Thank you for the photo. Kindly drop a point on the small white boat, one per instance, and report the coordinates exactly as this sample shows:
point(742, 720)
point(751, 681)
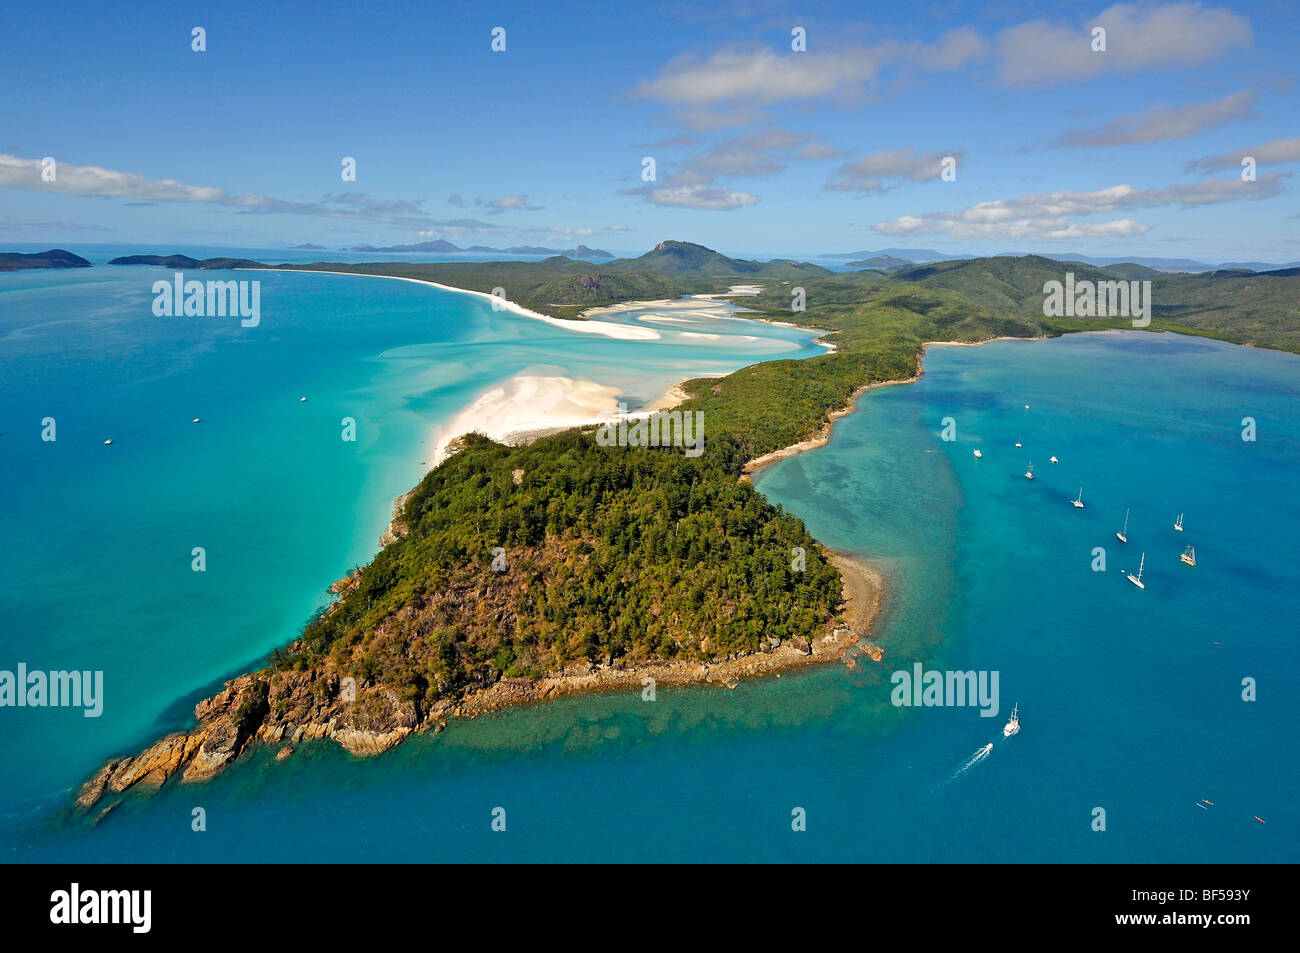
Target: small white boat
point(1137, 580)
point(1018, 444)
point(1077, 502)
point(1029, 474)
point(1178, 523)
point(1122, 534)
point(196, 420)
point(1013, 725)
point(302, 400)
point(108, 441)
point(978, 455)
point(1189, 557)
point(1054, 460)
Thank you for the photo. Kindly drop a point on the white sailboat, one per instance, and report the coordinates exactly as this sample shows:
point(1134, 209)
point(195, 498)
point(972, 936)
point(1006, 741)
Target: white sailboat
point(1137, 580)
point(1029, 474)
point(1018, 444)
point(1013, 725)
point(1178, 523)
point(1189, 556)
point(978, 454)
point(1122, 535)
point(1053, 460)
point(1078, 502)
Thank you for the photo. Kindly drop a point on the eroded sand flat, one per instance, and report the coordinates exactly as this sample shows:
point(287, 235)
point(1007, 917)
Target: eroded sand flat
point(527, 404)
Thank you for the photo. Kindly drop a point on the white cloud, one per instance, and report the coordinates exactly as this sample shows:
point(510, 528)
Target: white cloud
point(1277, 152)
point(1174, 35)
point(1162, 123)
point(705, 197)
point(509, 203)
point(868, 173)
point(758, 76)
point(748, 78)
point(1048, 214)
point(954, 50)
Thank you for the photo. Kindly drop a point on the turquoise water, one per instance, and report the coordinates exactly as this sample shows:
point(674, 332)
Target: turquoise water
point(1127, 703)
point(96, 541)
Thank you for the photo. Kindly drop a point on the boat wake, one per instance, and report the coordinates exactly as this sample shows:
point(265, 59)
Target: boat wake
point(965, 766)
point(973, 760)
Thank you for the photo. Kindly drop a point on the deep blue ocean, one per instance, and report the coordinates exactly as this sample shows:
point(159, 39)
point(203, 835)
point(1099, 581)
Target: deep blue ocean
point(1130, 700)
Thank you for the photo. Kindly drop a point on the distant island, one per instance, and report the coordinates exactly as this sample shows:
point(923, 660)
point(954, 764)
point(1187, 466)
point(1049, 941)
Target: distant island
point(184, 261)
point(308, 247)
point(54, 258)
point(882, 263)
point(447, 248)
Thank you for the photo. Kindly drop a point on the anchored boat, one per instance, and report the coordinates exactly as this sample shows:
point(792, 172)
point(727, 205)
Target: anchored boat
point(1137, 580)
point(1013, 725)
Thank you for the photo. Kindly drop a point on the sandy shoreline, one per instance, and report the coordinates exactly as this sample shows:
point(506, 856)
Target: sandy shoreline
point(200, 753)
point(583, 326)
point(206, 750)
point(824, 435)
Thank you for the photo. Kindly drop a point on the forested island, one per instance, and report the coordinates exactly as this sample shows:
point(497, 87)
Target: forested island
point(623, 564)
point(54, 258)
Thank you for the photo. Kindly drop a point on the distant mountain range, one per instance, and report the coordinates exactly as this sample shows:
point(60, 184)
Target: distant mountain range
point(447, 248)
point(54, 258)
point(882, 263)
point(678, 258)
point(892, 259)
point(907, 254)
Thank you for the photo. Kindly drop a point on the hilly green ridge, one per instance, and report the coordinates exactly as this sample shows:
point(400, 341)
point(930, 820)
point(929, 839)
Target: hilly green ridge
point(184, 261)
point(679, 258)
point(54, 258)
point(557, 286)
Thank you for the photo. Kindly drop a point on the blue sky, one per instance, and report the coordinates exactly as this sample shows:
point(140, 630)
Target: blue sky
point(758, 149)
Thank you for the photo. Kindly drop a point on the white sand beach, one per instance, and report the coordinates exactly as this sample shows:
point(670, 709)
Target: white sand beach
point(622, 331)
point(526, 407)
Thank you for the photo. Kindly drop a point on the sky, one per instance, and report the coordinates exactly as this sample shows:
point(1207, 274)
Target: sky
point(758, 148)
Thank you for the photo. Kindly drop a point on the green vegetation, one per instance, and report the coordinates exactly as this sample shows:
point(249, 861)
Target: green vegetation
point(564, 288)
point(184, 261)
point(612, 553)
point(54, 258)
point(621, 554)
point(1262, 308)
point(678, 258)
point(559, 287)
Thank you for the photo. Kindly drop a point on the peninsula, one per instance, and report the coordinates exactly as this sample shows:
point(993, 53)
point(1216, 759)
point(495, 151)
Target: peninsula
point(516, 574)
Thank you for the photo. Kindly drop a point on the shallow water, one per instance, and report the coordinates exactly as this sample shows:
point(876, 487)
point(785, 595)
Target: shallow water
point(1129, 700)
